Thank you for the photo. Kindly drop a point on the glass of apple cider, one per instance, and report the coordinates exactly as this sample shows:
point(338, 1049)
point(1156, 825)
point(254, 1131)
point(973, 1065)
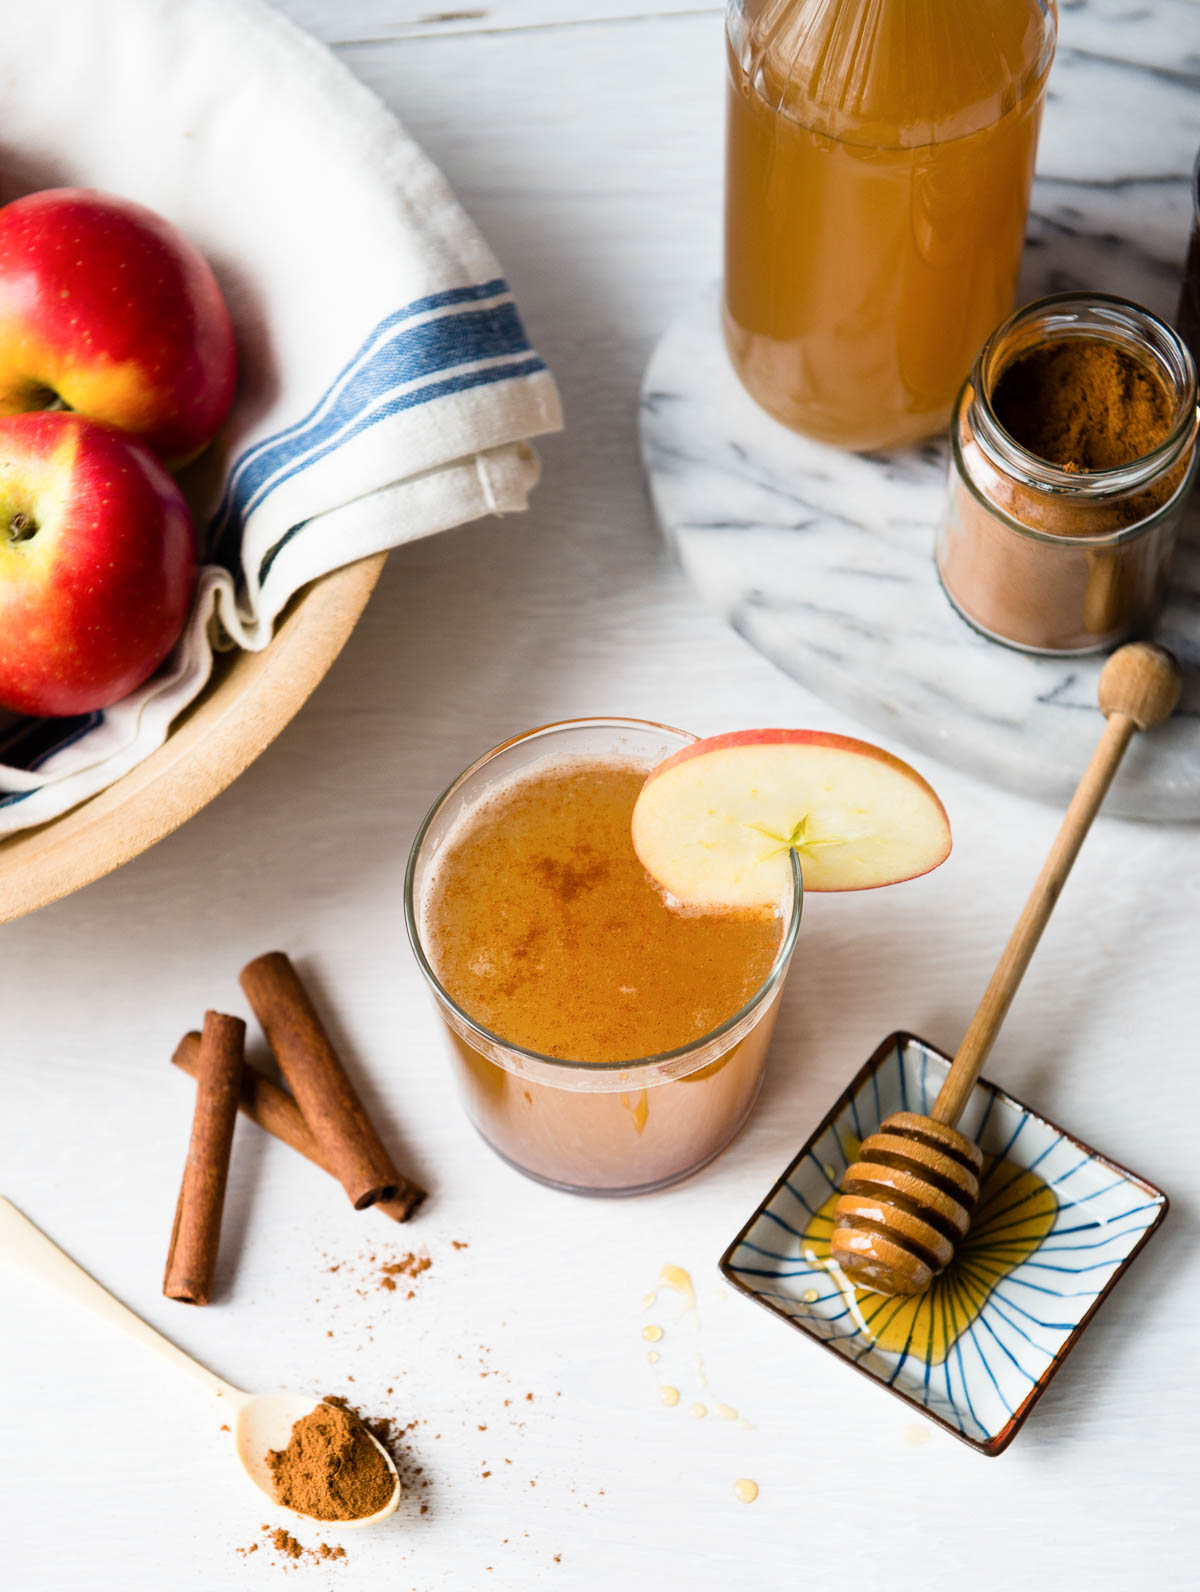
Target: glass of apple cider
point(607, 1040)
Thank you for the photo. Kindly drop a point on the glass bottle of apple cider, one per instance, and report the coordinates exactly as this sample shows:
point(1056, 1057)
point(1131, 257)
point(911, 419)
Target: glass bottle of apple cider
point(880, 157)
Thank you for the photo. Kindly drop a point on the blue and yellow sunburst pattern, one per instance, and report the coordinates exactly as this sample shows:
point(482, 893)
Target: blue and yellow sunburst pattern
point(1055, 1226)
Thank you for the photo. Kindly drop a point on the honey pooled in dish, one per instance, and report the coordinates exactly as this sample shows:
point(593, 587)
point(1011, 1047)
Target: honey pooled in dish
point(1016, 1210)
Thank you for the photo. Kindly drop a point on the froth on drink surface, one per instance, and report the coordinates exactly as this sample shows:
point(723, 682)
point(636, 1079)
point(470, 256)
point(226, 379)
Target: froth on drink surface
point(543, 926)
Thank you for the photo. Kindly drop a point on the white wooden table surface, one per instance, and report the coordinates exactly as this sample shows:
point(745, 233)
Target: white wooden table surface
point(587, 143)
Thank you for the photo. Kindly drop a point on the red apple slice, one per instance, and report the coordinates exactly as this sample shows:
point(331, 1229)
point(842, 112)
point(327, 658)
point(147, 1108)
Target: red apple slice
point(715, 823)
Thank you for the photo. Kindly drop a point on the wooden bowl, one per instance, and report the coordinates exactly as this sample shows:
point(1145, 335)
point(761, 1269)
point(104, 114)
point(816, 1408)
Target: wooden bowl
point(248, 700)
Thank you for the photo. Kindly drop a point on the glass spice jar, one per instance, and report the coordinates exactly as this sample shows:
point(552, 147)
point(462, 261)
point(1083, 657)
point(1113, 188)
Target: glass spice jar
point(1049, 558)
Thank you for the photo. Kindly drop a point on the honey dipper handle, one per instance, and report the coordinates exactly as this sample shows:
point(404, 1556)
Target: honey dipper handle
point(1139, 687)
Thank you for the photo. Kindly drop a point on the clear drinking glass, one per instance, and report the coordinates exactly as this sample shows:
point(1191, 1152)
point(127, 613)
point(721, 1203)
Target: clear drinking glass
point(598, 1127)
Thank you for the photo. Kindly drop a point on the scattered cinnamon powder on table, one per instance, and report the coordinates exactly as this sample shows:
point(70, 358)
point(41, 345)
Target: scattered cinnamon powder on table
point(407, 1266)
point(283, 1542)
point(279, 1538)
point(331, 1469)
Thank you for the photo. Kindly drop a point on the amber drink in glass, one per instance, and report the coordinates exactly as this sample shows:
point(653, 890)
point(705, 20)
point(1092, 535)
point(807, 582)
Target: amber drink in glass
point(607, 1040)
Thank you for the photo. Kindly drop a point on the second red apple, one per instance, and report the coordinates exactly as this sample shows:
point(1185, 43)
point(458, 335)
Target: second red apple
point(97, 564)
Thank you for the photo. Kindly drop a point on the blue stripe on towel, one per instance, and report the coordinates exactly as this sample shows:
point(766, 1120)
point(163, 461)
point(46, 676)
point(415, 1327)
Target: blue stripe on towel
point(406, 400)
point(421, 306)
point(395, 354)
point(409, 356)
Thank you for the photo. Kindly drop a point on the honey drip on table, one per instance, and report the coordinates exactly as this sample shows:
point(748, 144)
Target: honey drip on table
point(675, 1277)
point(1016, 1210)
point(680, 1281)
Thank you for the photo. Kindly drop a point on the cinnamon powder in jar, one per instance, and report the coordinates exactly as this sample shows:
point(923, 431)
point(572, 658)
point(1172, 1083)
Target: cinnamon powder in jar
point(1083, 404)
point(1073, 447)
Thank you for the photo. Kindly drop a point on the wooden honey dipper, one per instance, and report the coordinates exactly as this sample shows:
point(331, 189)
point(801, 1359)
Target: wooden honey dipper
point(907, 1201)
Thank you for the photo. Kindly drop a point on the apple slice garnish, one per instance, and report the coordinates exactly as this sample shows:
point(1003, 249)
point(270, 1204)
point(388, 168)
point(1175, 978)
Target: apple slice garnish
point(714, 824)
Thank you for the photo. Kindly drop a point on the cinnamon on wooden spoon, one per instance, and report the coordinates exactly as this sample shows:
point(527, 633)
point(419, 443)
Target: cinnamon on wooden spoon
point(260, 1421)
point(907, 1201)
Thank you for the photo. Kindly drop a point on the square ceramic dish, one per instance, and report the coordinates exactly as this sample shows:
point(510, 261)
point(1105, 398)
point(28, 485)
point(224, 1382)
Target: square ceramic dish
point(1056, 1226)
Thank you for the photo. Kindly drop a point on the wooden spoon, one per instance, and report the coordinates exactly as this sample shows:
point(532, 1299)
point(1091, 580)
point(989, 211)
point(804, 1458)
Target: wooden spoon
point(260, 1421)
point(907, 1201)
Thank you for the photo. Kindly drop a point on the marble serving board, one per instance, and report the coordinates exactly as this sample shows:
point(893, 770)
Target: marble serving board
point(823, 560)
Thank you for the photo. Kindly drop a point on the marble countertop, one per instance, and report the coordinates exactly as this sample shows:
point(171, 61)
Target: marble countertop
point(823, 560)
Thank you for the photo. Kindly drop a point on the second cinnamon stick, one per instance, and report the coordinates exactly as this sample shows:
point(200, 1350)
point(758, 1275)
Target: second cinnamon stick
point(192, 1254)
point(264, 1102)
point(332, 1110)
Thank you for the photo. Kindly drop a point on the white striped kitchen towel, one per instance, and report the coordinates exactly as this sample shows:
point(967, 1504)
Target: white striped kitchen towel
point(387, 387)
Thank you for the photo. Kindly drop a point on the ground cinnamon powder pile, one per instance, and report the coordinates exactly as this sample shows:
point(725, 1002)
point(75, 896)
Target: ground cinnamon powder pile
point(1083, 404)
point(331, 1469)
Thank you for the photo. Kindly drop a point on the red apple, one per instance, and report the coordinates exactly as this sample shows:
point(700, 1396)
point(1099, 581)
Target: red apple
point(97, 564)
point(715, 823)
point(108, 308)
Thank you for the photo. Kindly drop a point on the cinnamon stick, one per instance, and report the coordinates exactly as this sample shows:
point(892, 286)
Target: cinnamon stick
point(264, 1102)
point(196, 1233)
point(326, 1097)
